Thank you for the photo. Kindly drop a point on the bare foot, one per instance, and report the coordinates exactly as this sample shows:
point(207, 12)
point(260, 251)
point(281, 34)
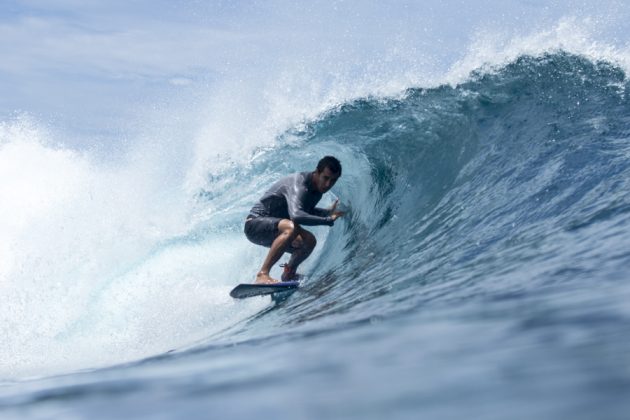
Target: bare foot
point(263, 278)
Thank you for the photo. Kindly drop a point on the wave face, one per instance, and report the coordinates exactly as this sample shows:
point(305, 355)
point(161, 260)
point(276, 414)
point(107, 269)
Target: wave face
point(512, 182)
point(483, 258)
point(484, 253)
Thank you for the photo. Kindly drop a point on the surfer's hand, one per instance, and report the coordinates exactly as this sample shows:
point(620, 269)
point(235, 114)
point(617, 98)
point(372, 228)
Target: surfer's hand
point(337, 214)
point(332, 208)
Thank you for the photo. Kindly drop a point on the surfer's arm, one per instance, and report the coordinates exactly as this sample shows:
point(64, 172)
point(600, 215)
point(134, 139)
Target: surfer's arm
point(318, 211)
point(301, 217)
point(326, 212)
point(294, 197)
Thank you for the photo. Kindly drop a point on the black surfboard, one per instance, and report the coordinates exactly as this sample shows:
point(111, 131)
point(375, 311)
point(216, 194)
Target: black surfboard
point(245, 290)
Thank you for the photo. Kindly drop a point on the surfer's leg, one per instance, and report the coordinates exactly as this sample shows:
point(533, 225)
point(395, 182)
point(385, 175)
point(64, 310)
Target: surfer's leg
point(287, 234)
point(302, 246)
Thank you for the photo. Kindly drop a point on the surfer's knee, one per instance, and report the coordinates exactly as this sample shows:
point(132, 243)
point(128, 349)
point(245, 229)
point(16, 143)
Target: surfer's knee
point(288, 228)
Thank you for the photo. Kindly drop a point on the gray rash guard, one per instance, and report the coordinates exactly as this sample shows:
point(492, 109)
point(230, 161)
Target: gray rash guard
point(293, 197)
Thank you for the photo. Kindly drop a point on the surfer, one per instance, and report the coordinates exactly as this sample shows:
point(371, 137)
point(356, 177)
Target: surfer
point(276, 220)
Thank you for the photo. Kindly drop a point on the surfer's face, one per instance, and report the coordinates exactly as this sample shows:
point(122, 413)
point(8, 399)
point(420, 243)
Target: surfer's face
point(324, 181)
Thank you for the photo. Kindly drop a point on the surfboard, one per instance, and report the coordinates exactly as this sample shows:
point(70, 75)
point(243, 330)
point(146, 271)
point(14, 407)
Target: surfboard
point(245, 290)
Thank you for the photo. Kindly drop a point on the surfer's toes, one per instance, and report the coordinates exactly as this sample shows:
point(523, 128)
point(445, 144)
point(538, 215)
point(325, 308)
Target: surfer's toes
point(289, 274)
point(262, 278)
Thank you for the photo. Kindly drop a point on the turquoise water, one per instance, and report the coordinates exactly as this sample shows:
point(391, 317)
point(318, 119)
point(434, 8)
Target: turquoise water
point(481, 269)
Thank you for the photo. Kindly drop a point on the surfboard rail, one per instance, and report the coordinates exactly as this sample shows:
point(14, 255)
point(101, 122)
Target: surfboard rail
point(245, 290)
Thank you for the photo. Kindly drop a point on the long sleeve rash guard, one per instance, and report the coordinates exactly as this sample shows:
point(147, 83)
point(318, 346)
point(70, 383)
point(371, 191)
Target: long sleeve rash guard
point(293, 197)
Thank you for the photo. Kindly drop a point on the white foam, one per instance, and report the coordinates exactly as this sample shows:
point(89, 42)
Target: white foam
point(85, 277)
point(247, 110)
point(578, 36)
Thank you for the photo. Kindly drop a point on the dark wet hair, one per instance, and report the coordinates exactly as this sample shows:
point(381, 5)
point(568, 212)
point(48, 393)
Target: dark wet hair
point(331, 163)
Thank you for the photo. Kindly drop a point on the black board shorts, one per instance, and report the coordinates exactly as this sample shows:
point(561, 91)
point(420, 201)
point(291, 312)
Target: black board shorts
point(262, 230)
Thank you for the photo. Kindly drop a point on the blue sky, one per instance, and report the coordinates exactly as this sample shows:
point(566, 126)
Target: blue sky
point(86, 65)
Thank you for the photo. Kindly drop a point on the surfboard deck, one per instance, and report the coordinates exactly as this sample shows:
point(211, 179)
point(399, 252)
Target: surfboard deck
point(245, 290)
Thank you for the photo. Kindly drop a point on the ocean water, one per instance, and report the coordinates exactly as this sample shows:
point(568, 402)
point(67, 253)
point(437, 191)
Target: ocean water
point(481, 270)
